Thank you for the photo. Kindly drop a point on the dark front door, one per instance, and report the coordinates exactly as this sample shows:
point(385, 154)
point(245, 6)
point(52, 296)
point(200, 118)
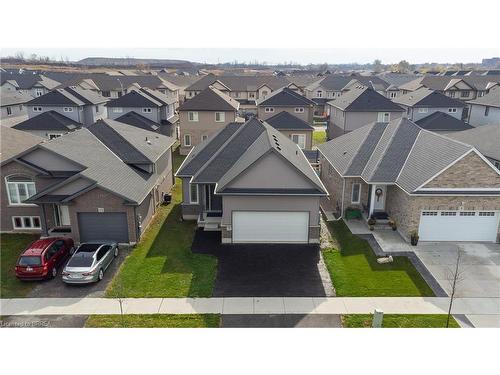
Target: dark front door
point(213, 202)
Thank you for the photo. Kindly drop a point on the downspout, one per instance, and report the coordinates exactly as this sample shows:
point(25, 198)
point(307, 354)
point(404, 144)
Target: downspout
point(137, 225)
point(343, 193)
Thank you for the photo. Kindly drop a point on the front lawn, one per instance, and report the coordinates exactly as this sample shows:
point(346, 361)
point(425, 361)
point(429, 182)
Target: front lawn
point(162, 264)
point(11, 246)
point(355, 272)
point(319, 137)
point(399, 321)
point(154, 321)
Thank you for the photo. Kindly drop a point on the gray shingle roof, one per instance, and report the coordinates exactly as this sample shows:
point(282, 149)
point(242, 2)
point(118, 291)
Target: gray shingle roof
point(363, 99)
point(210, 99)
point(491, 99)
point(50, 120)
point(440, 121)
point(14, 142)
point(134, 98)
point(68, 96)
point(13, 98)
point(286, 121)
point(135, 119)
point(424, 97)
point(285, 97)
point(486, 138)
point(240, 82)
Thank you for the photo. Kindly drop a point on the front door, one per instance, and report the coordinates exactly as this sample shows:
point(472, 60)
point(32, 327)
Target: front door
point(378, 197)
point(62, 216)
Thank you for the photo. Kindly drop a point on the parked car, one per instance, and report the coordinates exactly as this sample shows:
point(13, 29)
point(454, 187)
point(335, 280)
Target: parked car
point(89, 261)
point(42, 258)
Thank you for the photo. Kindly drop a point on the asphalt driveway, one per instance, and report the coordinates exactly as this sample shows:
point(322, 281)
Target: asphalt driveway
point(261, 270)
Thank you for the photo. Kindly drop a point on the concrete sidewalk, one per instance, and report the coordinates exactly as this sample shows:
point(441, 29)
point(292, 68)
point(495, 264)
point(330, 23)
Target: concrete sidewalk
point(250, 305)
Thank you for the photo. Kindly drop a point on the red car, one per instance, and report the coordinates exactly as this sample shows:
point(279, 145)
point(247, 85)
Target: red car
point(42, 258)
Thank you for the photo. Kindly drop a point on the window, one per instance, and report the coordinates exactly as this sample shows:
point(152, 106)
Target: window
point(465, 94)
point(497, 164)
point(26, 222)
point(356, 193)
point(37, 109)
point(204, 137)
point(193, 193)
point(429, 213)
point(330, 94)
point(251, 95)
point(53, 135)
point(423, 110)
point(193, 116)
point(106, 94)
point(117, 109)
point(467, 213)
point(393, 94)
point(319, 94)
point(300, 140)
point(9, 111)
point(19, 188)
point(269, 109)
point(20, 107)
point(384, 117)
point(38, 92)
point(96, 109)
point(448, 213)
point(220, 116)
point(480, 93)
point(147, 110)
point(486, 111)
point(299, 110)
point(187, 140)
point(102, 251)
point(452, 94)
point(487, 213)
point(68, 109)
point(236, 94)
point(452, 110)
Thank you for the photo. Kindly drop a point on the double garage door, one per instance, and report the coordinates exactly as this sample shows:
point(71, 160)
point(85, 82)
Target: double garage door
point(459, 226)
point(270, 227)
point(106, 226)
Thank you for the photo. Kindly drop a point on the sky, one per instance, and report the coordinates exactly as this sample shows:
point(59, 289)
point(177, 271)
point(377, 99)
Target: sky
point(274, 55)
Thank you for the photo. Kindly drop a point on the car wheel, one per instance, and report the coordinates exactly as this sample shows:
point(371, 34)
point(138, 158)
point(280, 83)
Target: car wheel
point(53, 272)
point(100, 275)
point(116, 252)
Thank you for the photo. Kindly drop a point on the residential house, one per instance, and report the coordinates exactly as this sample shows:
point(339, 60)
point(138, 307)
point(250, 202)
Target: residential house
point(357, 107)
point(137, 120)
point(13, 104)
point(181, 82)
point(287, 100)
point(18, 183)
point(254, 185)
point(34, 84)
point(442, 122)
point(485, 138)
point(203, 115)
point(427, 183)
point(424, 102)
point(82, 106)
point(105, 181)
point(293, 127)
point(50, 124)
point(486, 109)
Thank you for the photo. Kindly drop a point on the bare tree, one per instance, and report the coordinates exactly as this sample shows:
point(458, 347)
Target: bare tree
point(455, 276)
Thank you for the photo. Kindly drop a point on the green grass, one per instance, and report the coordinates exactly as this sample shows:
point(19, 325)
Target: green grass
point(355, 272)
point(153, 321)
point(319, 137)
point(399, 321)
point(162, 264)
point(11, 246)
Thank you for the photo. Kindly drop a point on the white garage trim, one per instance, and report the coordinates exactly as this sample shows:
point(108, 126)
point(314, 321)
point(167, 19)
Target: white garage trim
point(270, 227)
point(453, 225)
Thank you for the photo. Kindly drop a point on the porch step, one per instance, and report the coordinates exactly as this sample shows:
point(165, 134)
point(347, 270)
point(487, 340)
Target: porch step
point(382, 227)
point(211, 227)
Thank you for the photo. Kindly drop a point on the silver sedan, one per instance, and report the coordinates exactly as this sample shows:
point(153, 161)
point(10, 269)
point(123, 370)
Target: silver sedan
point(89, 261)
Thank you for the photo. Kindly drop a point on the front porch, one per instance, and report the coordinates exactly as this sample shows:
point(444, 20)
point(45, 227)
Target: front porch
point(210, 217)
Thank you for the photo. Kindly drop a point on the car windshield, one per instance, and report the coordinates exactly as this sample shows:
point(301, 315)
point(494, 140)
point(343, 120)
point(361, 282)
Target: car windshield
point(30, 261)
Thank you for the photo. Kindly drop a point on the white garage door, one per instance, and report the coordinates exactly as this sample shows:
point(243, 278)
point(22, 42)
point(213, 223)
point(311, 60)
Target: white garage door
point(269, 227)
point(459, 226)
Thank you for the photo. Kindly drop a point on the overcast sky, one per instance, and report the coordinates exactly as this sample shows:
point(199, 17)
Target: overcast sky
point(274, 55)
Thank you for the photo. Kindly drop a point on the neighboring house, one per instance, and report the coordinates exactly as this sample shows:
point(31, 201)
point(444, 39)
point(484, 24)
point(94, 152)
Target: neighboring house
point(358, 107)
point(203, 115)
point(298, 130)
point(50, 124)
point(286, 100)
point(137, 120)
point(486, 109)
point(104, 182)
point(485, 138)
point(441, 122)
point(181, 82)
point(13, 104)
point(428, 183)
point(17, 183)
point(34, 84)
point(151, 104)
point(424, 102)
point(254, 185)
point(82, 106)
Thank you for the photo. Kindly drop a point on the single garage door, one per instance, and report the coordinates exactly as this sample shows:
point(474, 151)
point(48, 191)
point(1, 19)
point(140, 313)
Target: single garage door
point(269, 227)
point(110, 226)
point(459, 226)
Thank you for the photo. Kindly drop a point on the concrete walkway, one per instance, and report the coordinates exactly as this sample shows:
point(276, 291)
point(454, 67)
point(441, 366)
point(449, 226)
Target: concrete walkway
point(250, 305)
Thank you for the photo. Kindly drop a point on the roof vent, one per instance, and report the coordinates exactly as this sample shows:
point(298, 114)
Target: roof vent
point(148, 141)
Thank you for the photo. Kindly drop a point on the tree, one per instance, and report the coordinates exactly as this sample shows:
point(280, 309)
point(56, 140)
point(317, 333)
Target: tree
point(454, 276)
point(377, 66)
point(403, 67)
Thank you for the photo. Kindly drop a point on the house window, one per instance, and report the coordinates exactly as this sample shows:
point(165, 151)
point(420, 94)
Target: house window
point(19, 188)
point(9, 111)
point(193, 193)
point(193, 116)
point(26, 222)
point(20, 107)
point(220, 117)
point(497, 164)
point(423, 110)
point(38, 92)
point(480, 93)
point(319, 94)
point(269, 109)
point(487, 213)
point(236, 94)
point(53, 135)
point(330, 94)
point(486, 111)
point(106, 94)
point(117, 109)
point(452, 110)
point(96, 109)
point(393, 94)
point(187, 140)
point(147, 110)
point(356, 193)
point(465, 94)
point(299, 110)
point(37, 109)
point(452, 94)
point(467, 213)
point(68, 109)
point(204, 137)
point(251, 95)
point(383, 117)
point(300, 140)
point(429, 213)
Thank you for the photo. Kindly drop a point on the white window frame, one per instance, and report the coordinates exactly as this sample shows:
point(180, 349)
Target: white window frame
point(301, 140)
point(38, 92)
point(359, 193)
point(37, 109)
point(465, 94)
point(452, 94)
point(193, 116)
point(222, 116)
point(67, 109)
point(117, 110)
point(299, 110)
point(452, 110)
point(147, 110)
point(381, 116)
point(9, 111)
point(31, 219)
point(18, 195)
point(187, 144)
point(53, 135)
point(393, 94)
point(319, 93)
point(423, 110)
point(204, 137)
point(191, 200)
point(269, 109)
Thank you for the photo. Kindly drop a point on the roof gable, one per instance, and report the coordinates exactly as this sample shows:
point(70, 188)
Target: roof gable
point(286, 121)
point(210, 99)
point(440, 121)
point(50, 120)
point(285, 97)
point(363, 99)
